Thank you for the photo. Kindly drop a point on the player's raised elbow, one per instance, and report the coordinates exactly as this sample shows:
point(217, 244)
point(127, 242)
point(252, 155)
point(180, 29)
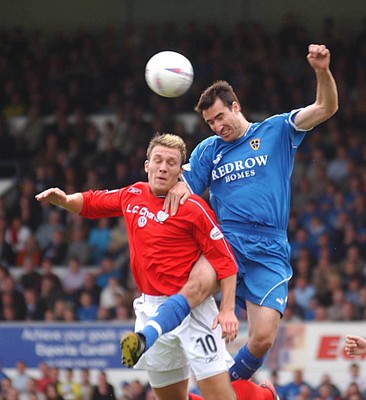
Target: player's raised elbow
point(325, 111)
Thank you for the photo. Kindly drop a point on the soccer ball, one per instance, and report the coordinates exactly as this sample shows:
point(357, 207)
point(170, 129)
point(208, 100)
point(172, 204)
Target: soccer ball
point(169, 74)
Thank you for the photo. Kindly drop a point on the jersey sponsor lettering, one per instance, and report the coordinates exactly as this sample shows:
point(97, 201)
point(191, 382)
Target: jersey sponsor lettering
point(144, 212)
point(239, 169)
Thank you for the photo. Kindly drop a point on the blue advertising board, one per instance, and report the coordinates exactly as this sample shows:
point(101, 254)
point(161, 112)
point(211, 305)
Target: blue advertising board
point(94, 345)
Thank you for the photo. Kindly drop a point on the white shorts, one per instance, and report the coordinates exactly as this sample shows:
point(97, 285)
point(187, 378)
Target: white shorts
point(192, 344)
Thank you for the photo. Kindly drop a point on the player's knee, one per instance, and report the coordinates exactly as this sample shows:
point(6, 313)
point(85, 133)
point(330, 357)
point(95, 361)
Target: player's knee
point(261, 342)
point(194, 292)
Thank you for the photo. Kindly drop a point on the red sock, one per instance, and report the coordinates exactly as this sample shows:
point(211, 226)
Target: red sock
point(247, 390)
point(195, 397)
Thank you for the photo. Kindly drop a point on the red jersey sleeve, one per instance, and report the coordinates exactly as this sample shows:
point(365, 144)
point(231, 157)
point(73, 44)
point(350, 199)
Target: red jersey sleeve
point(214, 246)
point(102, 204)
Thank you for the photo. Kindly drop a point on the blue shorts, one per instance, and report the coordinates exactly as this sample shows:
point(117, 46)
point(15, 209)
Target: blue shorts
point(263, 255)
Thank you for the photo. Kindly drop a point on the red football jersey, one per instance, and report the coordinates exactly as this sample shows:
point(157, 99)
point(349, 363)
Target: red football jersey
point(163, 249)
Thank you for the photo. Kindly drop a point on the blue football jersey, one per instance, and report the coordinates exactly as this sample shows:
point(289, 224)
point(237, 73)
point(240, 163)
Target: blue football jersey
point(249, 178)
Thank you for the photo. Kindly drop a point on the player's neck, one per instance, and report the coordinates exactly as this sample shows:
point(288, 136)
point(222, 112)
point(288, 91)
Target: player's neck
point(245, 127)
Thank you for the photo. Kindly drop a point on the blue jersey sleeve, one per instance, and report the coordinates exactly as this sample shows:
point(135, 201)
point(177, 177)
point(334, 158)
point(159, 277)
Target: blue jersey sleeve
point(297, 135)
point(197, 173)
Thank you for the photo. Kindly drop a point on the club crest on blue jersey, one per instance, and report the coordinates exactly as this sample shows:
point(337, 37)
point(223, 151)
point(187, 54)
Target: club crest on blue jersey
point(255, 144)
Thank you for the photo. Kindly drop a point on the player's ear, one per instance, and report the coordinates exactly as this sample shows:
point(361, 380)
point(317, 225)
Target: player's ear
point(146, 165)
point(235, 106)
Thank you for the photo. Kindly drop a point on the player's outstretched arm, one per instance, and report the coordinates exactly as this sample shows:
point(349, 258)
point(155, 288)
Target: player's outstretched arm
point(70, 202)
point(355, 345)
point(326, 102)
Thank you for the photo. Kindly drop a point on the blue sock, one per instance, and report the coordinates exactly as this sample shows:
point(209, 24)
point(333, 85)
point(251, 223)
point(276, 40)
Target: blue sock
point(245, 364)
point(168, 316)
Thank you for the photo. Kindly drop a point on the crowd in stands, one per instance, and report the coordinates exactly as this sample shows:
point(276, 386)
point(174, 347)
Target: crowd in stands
point(57, 81)
point(52, 383)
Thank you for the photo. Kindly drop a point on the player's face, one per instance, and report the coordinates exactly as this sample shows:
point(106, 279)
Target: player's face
point(163, 169)
point(224, 122)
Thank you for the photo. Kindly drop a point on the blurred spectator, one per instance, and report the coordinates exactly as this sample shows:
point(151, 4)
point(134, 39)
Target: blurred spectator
point(134, 390)
point(104, 314)
point(17, 234)
point(68, 388)
point(103, 390)
point(122, 313)
point(87, 311)
point(5, 388)
point(86, 388)
point(352, 392)
point(51, 392)
point(118, 242)
point(7, 254)
point(12, 304)
point(44, 232)
point(108, 296)
point(107, 270)
point(293, 388)
point(50, 293)
point(69, 313)
point(327, 390)
point(32, 134)
point(304, 291)
point(56, 249)
point(293, 311)
point(350, 311)
point(30, 278)
point(322, 269)
point(31, 392)
point(45, 378)
point(337, 169)
point(59, 309)
point(353, 377)
point(305, 393)
point(4, 273)
point(47, 272)
point(73, 278)
point(324, 392)
point(280, 389)
point(335, 310)
point(98, 240)
point(35, 306)
point(78, 246)
point(300, 241)
point(31, 251)
point(90, 287)
point(21, 377)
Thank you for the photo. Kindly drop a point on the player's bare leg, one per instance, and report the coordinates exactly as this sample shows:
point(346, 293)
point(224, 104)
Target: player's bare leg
point(202, 283)
point(263, 323)
point(177, 391)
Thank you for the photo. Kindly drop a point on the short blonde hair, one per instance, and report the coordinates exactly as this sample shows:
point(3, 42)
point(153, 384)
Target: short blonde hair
point(168, 140)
